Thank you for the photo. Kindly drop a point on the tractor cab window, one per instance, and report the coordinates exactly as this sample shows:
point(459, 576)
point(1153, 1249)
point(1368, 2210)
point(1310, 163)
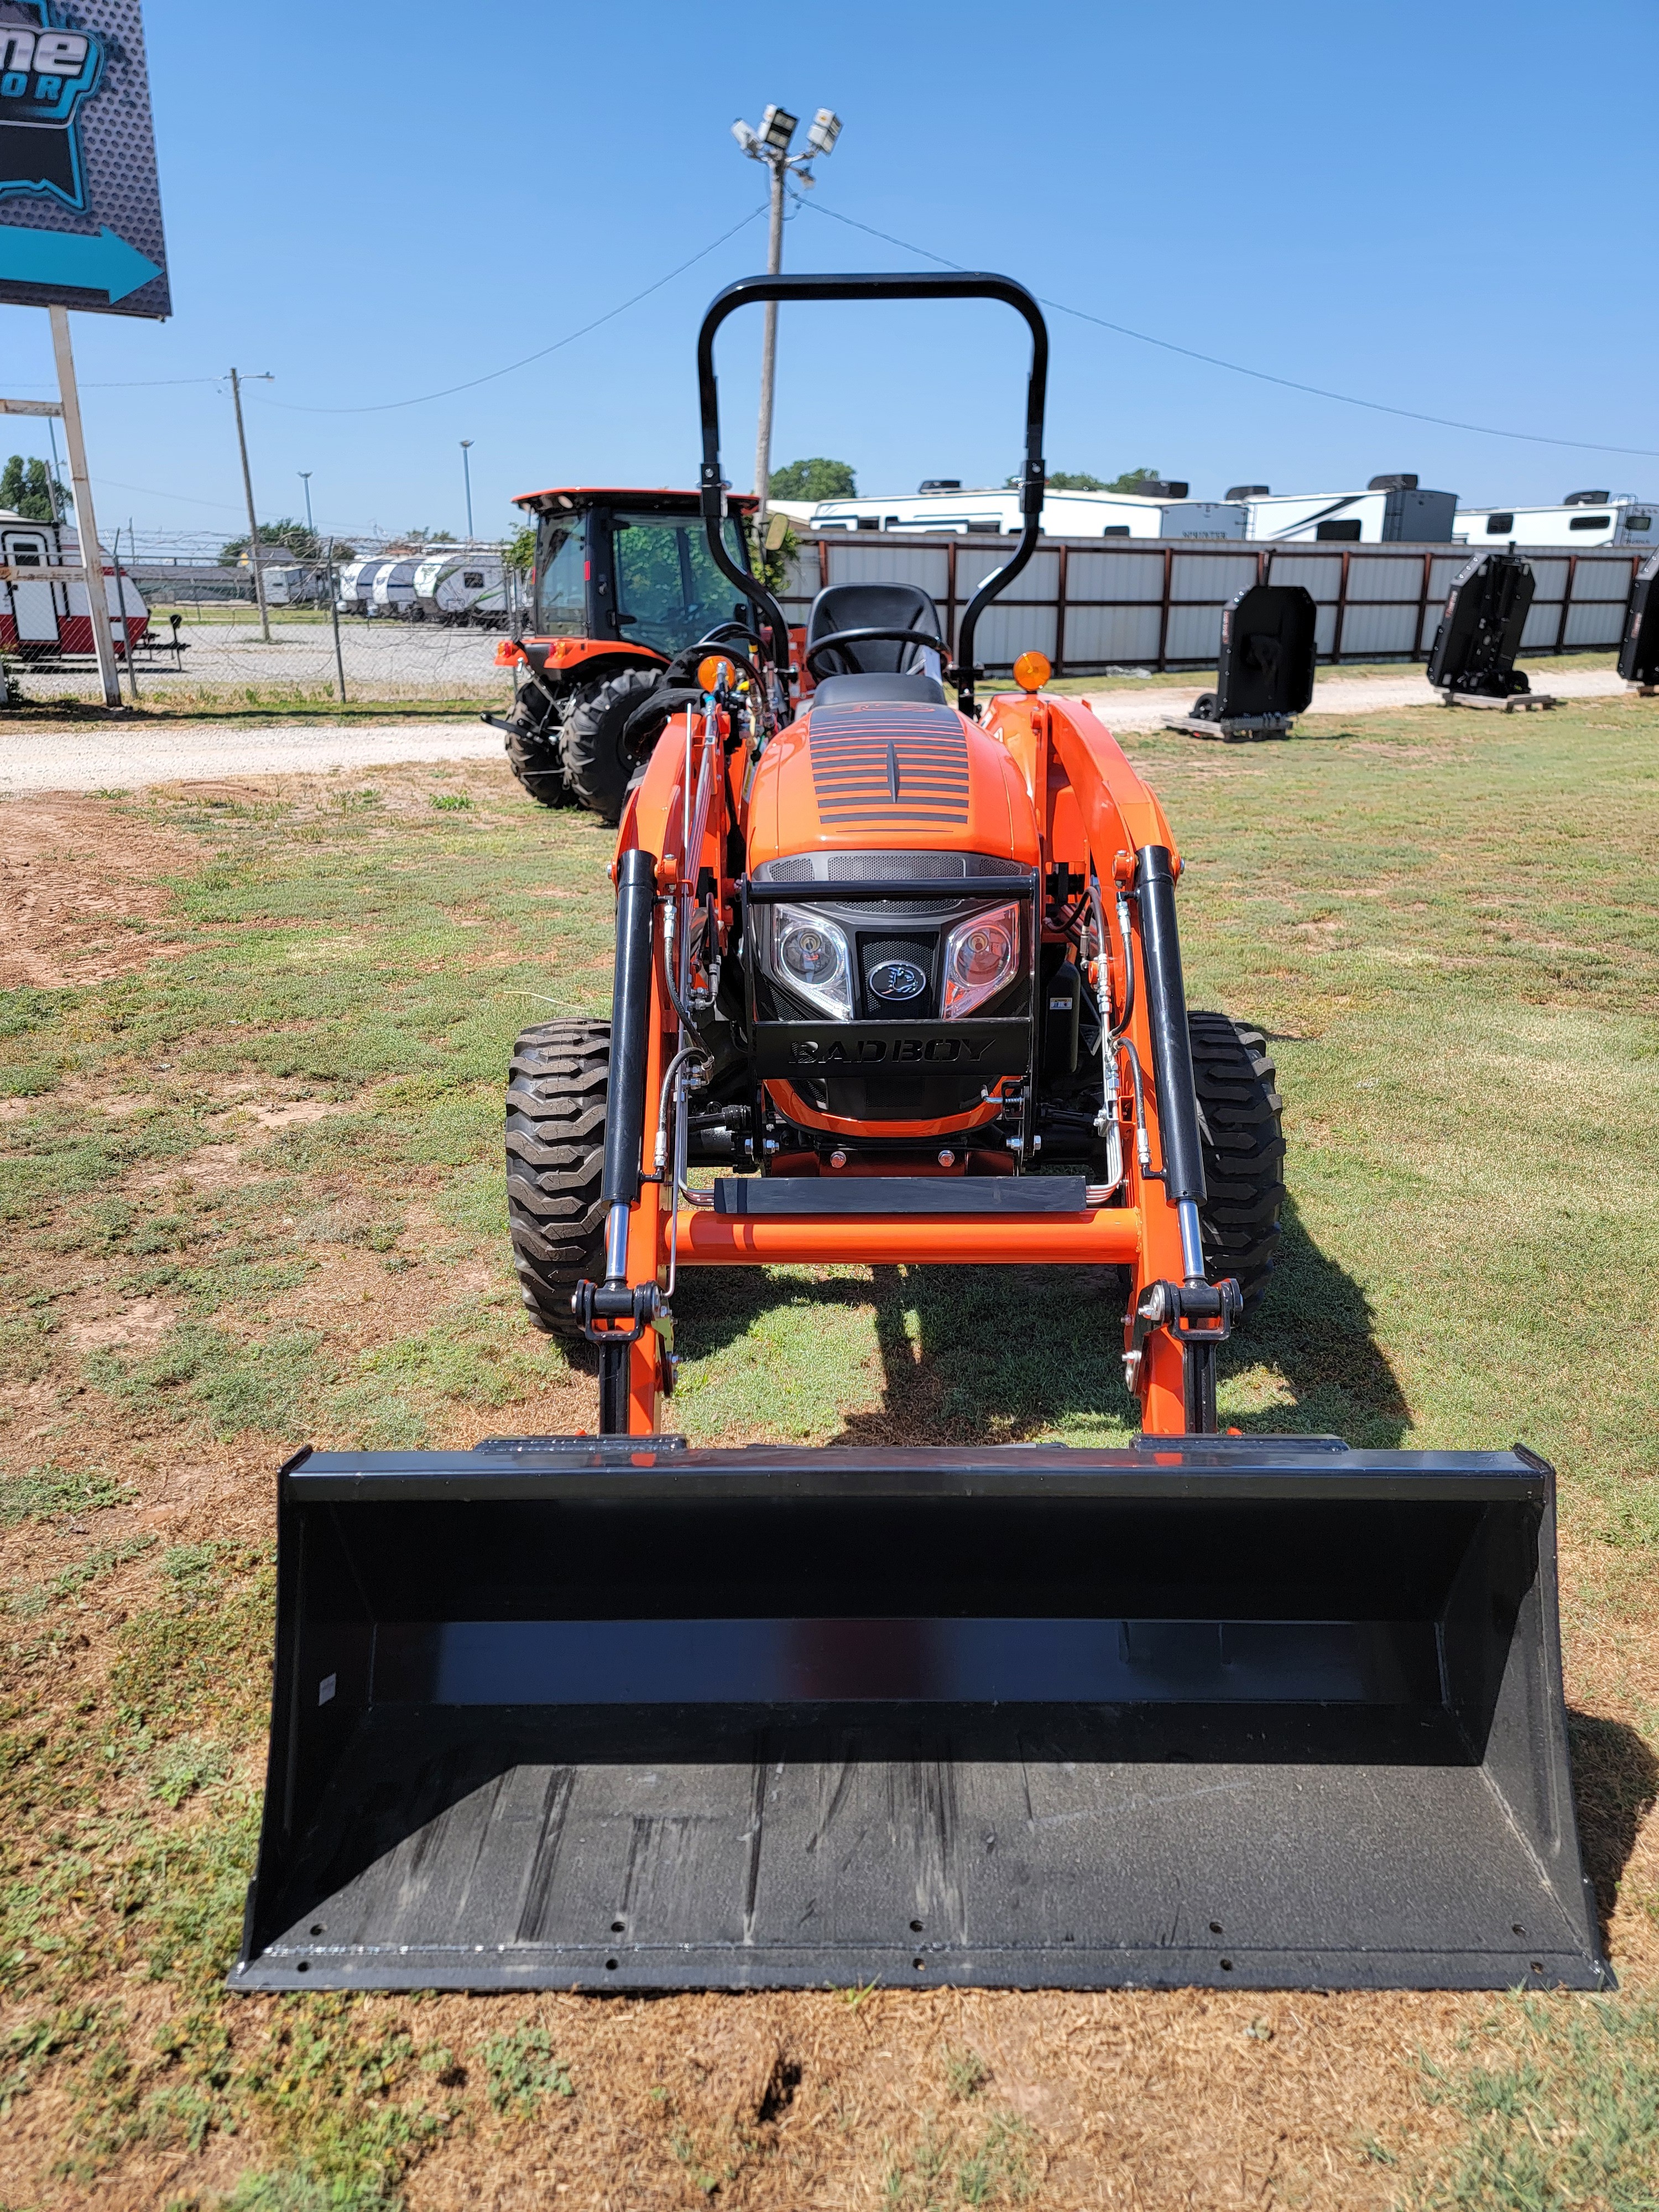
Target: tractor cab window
point(560, 577)
point(669, 592)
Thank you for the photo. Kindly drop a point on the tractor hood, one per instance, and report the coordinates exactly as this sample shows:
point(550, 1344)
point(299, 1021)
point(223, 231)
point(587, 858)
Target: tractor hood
point(879, 772)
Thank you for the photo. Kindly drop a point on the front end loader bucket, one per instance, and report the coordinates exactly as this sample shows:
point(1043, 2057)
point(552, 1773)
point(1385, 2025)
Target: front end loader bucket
point(609, 1713)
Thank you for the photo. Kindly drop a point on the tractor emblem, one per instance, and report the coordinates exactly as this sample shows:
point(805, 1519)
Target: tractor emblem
point(897, 980)
point(47, 70)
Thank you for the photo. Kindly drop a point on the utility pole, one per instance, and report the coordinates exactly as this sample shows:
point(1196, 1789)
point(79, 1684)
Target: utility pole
point(253, 548)
point(770, 145)
point(466, 472)
point(86, 525)
point(305, 478)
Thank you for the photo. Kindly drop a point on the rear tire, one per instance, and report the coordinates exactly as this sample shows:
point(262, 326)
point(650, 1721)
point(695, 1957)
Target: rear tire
point(1204, 708)
point(597, 764)
point(555, 1101)
point(1244, 1151)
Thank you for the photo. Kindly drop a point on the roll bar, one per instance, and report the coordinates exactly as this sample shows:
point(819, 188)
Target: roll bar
point(968, 285)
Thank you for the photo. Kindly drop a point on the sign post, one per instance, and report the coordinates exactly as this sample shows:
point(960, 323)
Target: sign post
point(80, 210)
point(86, 523)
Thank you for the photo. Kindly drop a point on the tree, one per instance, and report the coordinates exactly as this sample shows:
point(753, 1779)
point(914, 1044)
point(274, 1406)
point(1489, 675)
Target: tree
point(813, 479)
point(1080, 480)
point(286, 535)
point(520, 551)
point(29, 489)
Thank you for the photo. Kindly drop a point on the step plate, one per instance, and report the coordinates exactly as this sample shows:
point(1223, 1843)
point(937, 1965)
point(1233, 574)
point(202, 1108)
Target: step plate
point(748, 1196)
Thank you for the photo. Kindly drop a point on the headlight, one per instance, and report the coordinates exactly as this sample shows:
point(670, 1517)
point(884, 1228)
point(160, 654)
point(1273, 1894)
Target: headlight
point(981, 956)
point(810, 957)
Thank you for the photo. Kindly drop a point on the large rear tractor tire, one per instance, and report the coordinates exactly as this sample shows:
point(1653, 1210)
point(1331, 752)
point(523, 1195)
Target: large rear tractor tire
point(597, 765)
point(1244, 1151)
point(555, 1097)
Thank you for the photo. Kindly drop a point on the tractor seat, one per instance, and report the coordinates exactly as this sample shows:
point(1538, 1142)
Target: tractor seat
point(883, 668)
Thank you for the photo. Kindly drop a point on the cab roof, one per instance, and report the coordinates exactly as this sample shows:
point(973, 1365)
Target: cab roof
point(581, 496)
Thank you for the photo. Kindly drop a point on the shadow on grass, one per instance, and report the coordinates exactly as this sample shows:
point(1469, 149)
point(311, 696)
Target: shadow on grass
point(1002, 1354)
point(1615, 1781)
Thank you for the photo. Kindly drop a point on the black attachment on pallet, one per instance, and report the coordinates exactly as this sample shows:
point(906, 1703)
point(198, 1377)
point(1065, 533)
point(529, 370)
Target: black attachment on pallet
point(606, 1713)
point(1268, 649)
point(1166, 1007)
point(1638, 656)
point(1480, 632)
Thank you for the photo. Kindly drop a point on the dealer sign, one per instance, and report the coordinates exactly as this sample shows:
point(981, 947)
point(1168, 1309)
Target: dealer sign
point(80, 208)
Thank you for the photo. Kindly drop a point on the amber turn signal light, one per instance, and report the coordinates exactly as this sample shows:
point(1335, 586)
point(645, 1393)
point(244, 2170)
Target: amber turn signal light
point(713, 673)
point(1032, 670)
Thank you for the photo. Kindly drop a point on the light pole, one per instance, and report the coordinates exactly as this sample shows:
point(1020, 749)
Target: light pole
point(466, 473)
point(770, 145)
point(305, 478)
point(237, 381)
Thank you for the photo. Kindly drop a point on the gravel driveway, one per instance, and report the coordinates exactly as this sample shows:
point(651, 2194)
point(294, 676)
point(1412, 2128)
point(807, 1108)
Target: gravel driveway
point(115, 756)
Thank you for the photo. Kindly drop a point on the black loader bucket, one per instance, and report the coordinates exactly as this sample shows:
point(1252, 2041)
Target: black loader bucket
point(608, 1713)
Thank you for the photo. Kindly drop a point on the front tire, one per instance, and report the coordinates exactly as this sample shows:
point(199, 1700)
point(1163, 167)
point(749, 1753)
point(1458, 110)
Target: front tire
point(1244, 1144)
point(556, 1088)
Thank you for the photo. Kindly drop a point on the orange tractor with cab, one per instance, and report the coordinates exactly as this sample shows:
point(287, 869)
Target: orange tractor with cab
point(624, 583)
point(611, 1712)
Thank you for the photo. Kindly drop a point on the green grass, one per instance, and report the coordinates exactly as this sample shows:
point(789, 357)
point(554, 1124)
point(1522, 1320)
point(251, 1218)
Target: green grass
point(1559, 2107)
point(1446, 924)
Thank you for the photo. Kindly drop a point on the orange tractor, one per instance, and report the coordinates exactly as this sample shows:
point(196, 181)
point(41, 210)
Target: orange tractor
point(609, 1711)
point(624, 584)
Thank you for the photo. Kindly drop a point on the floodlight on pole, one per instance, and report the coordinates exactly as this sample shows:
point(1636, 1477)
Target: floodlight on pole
point(777, 128)
point(305, 478)
point(466, 472)
point(770, 145)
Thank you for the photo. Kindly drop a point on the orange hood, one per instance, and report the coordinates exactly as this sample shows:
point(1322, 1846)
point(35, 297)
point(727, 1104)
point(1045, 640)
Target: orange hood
point(889, 773)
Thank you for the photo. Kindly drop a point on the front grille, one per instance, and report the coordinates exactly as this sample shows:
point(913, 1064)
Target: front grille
point(891, 765)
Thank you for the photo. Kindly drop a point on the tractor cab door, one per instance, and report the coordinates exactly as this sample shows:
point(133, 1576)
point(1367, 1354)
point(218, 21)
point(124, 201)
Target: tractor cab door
point(665, 590)
point(34, 607)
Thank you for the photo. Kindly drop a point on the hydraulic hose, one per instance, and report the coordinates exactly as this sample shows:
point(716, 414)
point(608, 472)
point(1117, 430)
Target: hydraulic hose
point(630, 1017)
point(1172, 1051)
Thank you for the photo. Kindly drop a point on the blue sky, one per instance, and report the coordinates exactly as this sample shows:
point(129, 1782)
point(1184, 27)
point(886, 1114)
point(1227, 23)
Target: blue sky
point(1437, 206)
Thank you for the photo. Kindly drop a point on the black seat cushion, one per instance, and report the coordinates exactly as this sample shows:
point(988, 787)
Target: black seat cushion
point(849, 690)
point(874, 606)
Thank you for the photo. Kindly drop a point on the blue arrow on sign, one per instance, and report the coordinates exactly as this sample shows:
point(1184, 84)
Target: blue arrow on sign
point(104, 263)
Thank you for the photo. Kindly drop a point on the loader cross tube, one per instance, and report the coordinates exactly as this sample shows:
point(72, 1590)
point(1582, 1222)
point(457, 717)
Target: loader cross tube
point(969, 285)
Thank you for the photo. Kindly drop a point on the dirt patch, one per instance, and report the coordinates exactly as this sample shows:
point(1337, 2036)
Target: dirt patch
point(294, 1115)
point(142, 1324)
point(80, 888)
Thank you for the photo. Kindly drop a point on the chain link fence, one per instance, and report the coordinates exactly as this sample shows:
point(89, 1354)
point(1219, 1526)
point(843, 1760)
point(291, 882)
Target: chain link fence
point(397, 623)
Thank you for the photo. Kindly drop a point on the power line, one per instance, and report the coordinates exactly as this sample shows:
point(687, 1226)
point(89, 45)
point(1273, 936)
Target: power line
point(1238, 369)
point(386, 406)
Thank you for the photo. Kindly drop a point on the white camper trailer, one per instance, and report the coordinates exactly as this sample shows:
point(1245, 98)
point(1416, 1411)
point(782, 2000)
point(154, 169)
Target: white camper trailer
point(393, 589)
point(292, 584)
point(39, 621)
point(1065, 514)
point(1390, 511)
point(460, 584)
point(357, 583)
point(1581, 520)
